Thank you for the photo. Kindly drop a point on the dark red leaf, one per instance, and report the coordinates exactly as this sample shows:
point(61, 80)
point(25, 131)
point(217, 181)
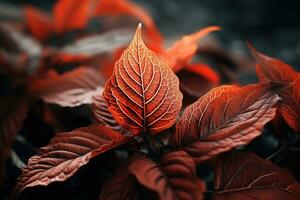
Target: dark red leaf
point(197, 79)
point(143, 93)
point(173, 177)
point(66, 153)
point(248, 177)
point(121, 186)
point(274, 70)
point(38, 22)
point(71, 89)
point(101, 113)
point(224, 118)
point(12, 115)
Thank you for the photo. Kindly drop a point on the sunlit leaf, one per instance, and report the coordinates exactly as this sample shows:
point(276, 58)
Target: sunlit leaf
point(143, 93)
point(224, 118)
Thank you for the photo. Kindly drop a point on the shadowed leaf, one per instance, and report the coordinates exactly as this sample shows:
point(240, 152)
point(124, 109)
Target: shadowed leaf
point(70, 89)
point(173, 177)
point(246, 176)
point(274, 70)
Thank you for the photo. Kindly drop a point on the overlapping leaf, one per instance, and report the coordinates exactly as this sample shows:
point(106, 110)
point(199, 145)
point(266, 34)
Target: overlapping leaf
point(143, 93)
point(182, 51)
point(197, 79)
point(224, 118)
point(246, 176)
point(173, 177)
point(274, 70)
point(12, 115)
point(70, 89)
point(101, 113)
point(66, 153)
point(122, 185)
point(125, 7)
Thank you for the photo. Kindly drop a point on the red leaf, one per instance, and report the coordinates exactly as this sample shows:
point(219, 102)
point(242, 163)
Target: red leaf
point(72, 14)
point(248, 177)
point(122, 185)
point(124, 7)
point(66, 153)
point(197, 79)
point(71, 89)
point(101, 113)
point(38, 23)
point(143, 93)
point(274, 70)
point(182, 51)
point(13, 113)
point(224, 118)
point(174, 177)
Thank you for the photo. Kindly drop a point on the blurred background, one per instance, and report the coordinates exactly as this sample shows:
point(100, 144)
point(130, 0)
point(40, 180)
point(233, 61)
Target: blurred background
point(272, 26)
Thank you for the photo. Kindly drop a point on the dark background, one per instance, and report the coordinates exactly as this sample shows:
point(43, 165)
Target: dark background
point(272, 26)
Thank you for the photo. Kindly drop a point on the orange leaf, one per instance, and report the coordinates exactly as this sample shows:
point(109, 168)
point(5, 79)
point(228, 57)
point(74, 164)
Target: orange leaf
point(124, 7)
point(224, 118)
point(72, 14)
point(143, 93)
point(66, 153)
point(38, 23)
point(274, 70)
point(182, 51)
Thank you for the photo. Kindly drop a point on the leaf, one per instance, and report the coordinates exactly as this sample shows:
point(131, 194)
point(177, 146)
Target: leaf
point(70, 89)
point(274, 70)
point(72, 14)
point(246, 176)
point(13, 113)
point(66, 153)
point(182, 51)
point(38, 23)
point(125, 7)
point(224, 118)
point(122, 185)
point(101, 113)
point(197, 79)
point(99, 44)
point(143, 93)
point(174, 177)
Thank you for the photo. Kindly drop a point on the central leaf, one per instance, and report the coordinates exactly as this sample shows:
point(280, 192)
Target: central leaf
point(143, 92)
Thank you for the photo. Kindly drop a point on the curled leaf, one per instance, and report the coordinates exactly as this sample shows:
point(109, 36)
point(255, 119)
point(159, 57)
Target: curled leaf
point(173, 177)
point(235, 178)
point(274, 70)
point(143, 92)
point(70, 89)
point(182, 51)
point(224, 118)
point(66, 153)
